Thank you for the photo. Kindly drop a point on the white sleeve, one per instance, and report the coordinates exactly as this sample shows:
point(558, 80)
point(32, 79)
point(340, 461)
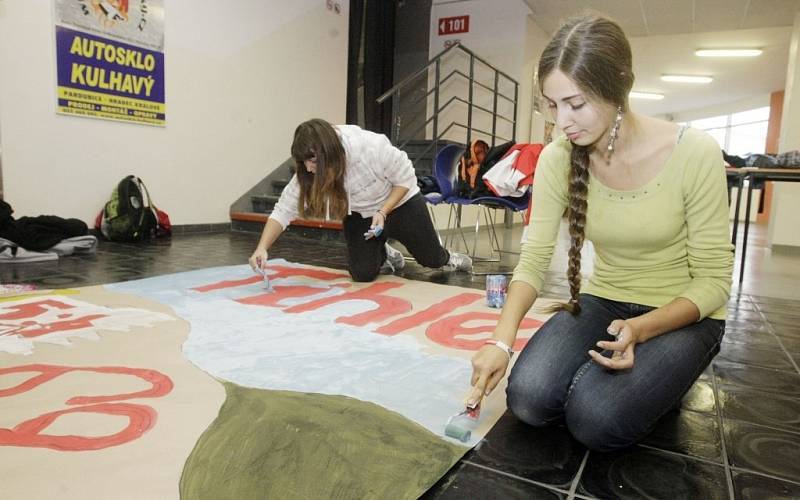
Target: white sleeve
point(285, 211)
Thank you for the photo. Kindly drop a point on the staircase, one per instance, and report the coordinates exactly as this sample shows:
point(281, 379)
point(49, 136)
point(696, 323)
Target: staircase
point(421, 138)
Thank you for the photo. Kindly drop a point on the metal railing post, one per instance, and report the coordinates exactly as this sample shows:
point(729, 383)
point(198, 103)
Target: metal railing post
point(514, 116)
point(469, 100)
point(396, 117)
point(437, 76)
point(494, 107)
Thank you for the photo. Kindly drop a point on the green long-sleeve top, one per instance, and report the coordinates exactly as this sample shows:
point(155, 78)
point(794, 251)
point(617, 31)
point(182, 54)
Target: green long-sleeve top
point(667, 239)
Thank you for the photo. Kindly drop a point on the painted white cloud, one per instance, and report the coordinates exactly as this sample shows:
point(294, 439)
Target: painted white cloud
point(48, 311)
point(264, 347)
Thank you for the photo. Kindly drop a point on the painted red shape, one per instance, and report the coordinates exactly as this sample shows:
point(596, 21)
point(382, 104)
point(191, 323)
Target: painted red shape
point(32, 309)
point(160, 383)
point(60, 326)
point(436, 311)
point(387, 306)
point(141, 418)
point(28, 434)
point(221, 285)
point(282, 272)
point(283, 292)
point(446, 331)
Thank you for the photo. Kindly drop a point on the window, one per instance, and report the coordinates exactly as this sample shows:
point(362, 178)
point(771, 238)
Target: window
point(738, 133)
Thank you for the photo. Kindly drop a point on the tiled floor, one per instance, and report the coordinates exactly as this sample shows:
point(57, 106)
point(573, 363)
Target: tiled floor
point(737, 434)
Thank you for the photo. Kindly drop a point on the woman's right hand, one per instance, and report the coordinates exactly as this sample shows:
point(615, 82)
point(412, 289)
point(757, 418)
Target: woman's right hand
point(258, 260)
point(489, 366)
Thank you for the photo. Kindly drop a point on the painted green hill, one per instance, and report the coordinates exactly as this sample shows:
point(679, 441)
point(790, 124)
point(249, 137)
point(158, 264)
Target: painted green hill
point(286, 445)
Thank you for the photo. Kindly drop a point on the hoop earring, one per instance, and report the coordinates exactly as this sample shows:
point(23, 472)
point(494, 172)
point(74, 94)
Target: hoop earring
point(612, 137)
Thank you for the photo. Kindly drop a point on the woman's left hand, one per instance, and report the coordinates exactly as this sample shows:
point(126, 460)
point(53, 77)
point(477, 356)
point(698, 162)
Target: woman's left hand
point(378, 220)
point(622, 357)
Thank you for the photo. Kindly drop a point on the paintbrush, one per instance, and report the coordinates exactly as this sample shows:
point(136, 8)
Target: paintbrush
point(267, 284)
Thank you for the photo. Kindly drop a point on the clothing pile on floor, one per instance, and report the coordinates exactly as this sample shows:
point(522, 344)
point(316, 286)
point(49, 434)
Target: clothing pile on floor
point(42, 238)
point(15, 289)
point(789, 159)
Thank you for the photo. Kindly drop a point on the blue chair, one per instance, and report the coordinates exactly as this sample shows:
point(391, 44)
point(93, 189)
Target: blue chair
point(445, 169)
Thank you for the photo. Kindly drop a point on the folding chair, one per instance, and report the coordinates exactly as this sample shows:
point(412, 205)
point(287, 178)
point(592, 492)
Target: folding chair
point(445, 169)
point(516, 204)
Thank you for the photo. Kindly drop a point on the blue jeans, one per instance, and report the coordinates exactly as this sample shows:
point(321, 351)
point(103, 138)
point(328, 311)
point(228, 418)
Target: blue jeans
point(554, 379)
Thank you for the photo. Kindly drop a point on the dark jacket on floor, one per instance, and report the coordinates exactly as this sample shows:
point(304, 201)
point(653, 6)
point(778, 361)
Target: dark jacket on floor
point(38, 233)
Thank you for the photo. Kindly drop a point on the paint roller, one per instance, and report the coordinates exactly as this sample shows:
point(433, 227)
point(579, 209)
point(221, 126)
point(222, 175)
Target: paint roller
point(461, 425)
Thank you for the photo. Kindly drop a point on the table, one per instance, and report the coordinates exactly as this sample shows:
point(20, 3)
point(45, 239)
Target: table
point(754, 174)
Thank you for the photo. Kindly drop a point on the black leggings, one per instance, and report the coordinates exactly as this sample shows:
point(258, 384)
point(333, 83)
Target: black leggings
point(410, 224)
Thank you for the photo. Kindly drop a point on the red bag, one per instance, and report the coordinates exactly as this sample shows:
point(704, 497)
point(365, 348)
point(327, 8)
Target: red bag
point(164, 227)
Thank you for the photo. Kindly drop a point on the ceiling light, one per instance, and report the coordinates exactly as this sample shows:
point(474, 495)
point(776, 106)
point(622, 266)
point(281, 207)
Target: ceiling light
point(686, 79)
point(728, 52)
point(646, 95)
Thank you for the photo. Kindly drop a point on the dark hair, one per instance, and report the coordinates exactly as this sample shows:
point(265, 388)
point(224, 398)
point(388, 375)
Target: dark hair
point(594, 53)
point(321, 193)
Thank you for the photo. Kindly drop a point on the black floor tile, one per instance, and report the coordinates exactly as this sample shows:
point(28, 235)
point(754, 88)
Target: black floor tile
point(760, 339)
point(759, 449)
point(638, 473)
point(469, 481)
point(766, 303)
point(53, 281)
point(27, 272)
point(790, 332)
point(788, 306)
point(545, 455)
point(778, 320)
point(762, 379)
point(752, 355)
point(700, 397)
point(770, 410)
point(754, 487)
point(741, 303)
point(749, 325)
point(792, 344)
point(689, 433)
point(743, 315)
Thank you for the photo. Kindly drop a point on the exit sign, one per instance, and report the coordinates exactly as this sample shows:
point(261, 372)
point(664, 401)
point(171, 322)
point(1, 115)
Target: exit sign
point(453, 25)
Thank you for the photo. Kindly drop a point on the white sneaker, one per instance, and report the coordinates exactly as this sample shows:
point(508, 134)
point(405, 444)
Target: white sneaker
point(394, 260)
point(459, 262)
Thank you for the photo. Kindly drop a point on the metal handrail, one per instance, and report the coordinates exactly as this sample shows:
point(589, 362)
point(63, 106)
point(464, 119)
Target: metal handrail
point(437, 57)
point(437, 89)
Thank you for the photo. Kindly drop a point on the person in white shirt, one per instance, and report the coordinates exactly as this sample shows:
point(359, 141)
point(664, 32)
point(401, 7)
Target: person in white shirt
point(354, 175)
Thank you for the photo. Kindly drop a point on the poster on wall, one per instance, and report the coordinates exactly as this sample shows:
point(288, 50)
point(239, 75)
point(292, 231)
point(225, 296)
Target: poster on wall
point(110, 59)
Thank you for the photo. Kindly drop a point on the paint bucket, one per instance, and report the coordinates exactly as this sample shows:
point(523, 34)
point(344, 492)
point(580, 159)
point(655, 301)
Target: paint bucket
point(496, 286)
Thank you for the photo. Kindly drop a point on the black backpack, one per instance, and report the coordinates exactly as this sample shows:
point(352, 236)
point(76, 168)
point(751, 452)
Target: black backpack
point(127, 216)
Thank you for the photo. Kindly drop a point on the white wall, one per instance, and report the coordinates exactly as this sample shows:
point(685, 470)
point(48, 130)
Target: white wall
point(782, 229)
point(503, 33)
point(754, 102)
point(239, 77)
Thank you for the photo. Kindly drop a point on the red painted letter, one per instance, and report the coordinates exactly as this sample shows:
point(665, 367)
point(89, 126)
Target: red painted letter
point(387, 306)
point(448, 330)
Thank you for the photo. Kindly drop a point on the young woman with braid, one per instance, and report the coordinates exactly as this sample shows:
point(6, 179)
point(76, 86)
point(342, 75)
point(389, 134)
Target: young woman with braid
point(344, 172)
point(651, 197)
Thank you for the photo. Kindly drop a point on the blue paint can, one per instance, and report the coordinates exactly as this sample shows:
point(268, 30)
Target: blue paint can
point(496, 287)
